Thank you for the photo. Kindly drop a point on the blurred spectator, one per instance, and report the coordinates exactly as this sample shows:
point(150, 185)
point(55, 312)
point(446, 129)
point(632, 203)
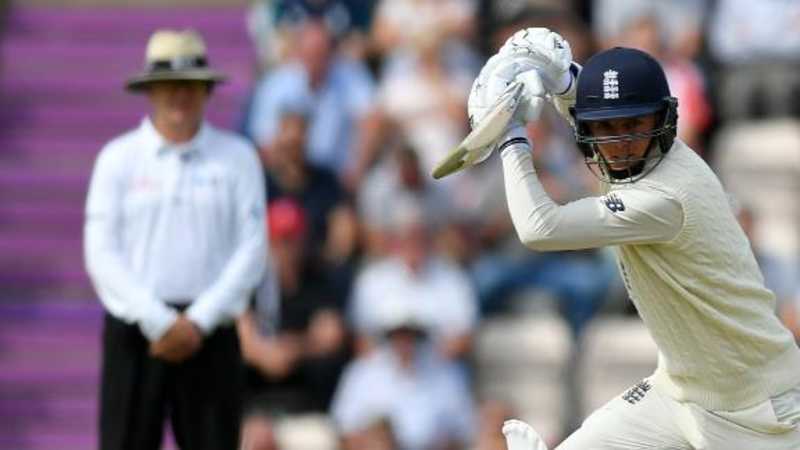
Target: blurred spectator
point(562, 19)
point(451, 208)
point(493, 16)
point(332, 243)
point(342, 253)
point(757, 47)
point(342, 129)
point(400, 26)
point(297, 366)
point(427, 99)
point(291, 175)
point(174, 245)
point(397, 176)
point(778, 277)
point(258, 432)
point(759, 165)
point(413, 279)
point(491, 416)
point(686, 82)
point(377, 435)
point(680, 22)
point(273, 24)
point(422, 396)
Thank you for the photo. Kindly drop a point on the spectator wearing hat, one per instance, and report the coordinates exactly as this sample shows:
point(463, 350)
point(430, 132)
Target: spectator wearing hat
point(298, 349)
point(174, 244)
point(420, 396)
point(290, 174)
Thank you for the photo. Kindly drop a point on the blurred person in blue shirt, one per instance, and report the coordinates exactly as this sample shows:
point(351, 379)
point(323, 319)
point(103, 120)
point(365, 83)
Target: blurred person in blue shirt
point(342, 127)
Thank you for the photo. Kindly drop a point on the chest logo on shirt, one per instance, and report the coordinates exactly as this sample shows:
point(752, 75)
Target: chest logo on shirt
point(613, 203)
point(145, 183)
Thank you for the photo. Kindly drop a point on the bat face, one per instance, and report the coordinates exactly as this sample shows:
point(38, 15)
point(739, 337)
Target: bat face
point(478, 144)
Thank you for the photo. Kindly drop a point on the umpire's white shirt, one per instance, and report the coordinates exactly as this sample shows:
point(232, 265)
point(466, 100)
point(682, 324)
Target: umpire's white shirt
point(175, 223)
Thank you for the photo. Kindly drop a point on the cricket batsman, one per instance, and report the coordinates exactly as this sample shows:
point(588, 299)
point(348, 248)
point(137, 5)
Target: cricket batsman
point(728, 374)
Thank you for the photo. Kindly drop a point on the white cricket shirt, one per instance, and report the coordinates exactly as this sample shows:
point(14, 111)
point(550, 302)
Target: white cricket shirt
point(688, 268)
point(175, 223)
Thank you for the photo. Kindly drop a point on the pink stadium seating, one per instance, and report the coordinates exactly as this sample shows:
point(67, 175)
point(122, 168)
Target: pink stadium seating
point(61, 98)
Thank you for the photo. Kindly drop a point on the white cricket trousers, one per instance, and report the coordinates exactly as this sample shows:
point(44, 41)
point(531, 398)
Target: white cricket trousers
point(644, 418)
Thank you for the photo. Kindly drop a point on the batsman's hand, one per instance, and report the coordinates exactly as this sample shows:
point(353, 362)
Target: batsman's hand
point(182, 340)
point(521, 436)
point(547, 52)
point(499, 76)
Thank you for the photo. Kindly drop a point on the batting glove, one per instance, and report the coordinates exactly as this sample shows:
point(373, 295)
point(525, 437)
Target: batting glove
point(495, 80)
point(521, 436)
point(547, 52)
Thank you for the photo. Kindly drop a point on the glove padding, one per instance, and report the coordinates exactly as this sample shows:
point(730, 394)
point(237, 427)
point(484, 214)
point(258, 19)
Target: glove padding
point(496, 77)
point(521, 436)
point(545, 51)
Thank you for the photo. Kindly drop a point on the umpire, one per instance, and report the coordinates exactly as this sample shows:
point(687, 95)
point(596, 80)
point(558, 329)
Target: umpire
point(174, 244)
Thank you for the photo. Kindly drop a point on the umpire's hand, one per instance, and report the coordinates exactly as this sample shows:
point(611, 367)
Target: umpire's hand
point(180, 342)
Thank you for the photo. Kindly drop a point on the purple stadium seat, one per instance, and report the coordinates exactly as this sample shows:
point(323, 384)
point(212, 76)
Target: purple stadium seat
point(61, 98)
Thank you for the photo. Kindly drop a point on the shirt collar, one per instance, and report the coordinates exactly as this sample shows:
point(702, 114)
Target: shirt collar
point(160, 146)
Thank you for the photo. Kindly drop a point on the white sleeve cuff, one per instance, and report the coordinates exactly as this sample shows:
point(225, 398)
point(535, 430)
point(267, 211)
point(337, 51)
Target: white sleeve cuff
point(516, 137)
point(155, 319)
point(202, 317)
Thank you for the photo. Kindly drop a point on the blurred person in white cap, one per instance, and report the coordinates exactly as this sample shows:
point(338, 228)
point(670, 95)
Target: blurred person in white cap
point(423, 397)
point(174, 245)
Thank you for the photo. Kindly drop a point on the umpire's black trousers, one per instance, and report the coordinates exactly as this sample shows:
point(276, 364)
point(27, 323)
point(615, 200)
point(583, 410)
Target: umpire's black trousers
point(202, 396)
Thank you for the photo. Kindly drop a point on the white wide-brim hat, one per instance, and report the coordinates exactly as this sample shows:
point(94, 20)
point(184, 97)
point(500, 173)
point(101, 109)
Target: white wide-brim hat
point(174, 55)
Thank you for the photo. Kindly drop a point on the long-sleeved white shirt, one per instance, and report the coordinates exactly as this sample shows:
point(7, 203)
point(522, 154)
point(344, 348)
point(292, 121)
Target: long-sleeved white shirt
point(688, 268)
point(649, 216)
point(175, 223)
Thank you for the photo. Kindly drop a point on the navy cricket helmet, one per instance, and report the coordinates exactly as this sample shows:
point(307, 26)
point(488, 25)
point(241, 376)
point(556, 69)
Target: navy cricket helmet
point(623, 83)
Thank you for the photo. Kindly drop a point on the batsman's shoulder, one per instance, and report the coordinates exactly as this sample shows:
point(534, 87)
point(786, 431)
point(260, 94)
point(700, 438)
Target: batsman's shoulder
point(644, 197)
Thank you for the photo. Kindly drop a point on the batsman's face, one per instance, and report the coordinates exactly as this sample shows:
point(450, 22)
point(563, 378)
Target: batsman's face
point(626, 152)
point(179, 103)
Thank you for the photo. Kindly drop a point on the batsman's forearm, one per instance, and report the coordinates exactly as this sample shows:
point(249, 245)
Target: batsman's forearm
point(541, 224)
point(528, 203)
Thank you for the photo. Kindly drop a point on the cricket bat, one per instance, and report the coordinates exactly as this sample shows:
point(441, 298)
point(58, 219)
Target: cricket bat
point(475, 147)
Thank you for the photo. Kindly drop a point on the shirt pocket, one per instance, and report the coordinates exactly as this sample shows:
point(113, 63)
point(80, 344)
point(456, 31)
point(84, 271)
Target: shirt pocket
point(211, 200)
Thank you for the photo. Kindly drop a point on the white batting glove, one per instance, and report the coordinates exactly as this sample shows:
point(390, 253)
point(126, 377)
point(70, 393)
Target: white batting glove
point(547, 52)
point(521, 436)
point(495, 79)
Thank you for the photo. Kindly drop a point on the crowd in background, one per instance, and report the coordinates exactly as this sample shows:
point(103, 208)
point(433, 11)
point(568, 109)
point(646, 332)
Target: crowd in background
point(379, 275)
